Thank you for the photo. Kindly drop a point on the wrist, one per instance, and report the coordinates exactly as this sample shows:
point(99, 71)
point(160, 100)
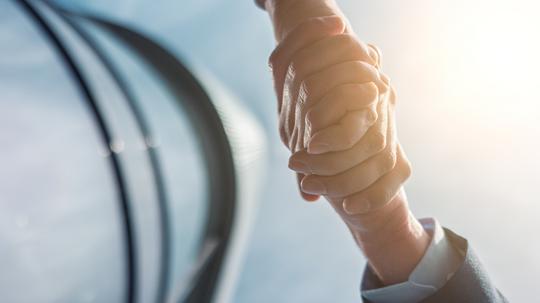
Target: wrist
point(392, 240)
point(384, 224)
point(287, 14)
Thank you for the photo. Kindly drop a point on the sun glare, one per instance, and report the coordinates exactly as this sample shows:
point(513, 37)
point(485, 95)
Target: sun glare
point(493, 60)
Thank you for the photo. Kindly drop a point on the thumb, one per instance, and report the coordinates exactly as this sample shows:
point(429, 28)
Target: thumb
point(305, 196)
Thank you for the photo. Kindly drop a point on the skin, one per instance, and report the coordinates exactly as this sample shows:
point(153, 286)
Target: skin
point(336, 116)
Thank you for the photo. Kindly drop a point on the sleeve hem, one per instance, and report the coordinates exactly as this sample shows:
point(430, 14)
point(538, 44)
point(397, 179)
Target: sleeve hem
point(437, 266)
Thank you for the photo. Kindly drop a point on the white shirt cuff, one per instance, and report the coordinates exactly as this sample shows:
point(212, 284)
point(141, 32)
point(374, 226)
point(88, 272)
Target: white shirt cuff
point(438, 265)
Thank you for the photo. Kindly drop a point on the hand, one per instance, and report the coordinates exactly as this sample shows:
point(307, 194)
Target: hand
point(347, 102)
point(390, 237)
point(364, 176)
point(288, 14)
point(292, 62)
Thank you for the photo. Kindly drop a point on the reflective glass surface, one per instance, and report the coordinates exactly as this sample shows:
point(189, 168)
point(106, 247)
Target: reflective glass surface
point(60, 221)
point(180, 159)
point(129, 145)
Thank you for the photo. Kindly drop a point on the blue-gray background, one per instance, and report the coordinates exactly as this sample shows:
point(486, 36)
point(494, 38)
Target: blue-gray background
point(467, 117)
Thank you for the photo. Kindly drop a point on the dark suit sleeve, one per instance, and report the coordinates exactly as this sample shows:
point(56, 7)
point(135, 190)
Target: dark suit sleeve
point(470, 284)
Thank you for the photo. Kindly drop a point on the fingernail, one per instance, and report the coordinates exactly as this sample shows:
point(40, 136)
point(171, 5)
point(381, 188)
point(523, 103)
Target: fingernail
point(371, 117)
point(318, 148)
point(313, 187)
point(374, 59)
point(310, 197)
point(299, 166)
point(357, 206)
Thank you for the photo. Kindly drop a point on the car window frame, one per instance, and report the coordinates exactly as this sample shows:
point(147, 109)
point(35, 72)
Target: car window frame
point(192, 97)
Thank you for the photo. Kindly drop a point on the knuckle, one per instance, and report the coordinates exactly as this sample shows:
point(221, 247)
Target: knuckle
point(373, 115)
point(290, 73)
point(292, 69)
point(306, 91)
point(311, 119)
point(303, 94)
point(298, 65)
point(406, 170)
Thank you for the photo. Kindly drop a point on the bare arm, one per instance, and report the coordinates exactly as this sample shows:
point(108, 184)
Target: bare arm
point(378, 216)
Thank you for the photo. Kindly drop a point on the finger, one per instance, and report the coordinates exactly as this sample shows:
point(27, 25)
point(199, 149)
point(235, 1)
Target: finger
point(376, 54)
point(373, 143)
point(305, 33)
point(343, 135)
point(319, 84)
point(284, 77)
point(329, 51)
point(305, 196)
point(326, 53)
point(346, 133)
point(332, 163)
point(339, 101)
point(353, 180)
point(358, 177)
point(316, 57)
point(294, 141)
point(286, 114)
point(382, 191)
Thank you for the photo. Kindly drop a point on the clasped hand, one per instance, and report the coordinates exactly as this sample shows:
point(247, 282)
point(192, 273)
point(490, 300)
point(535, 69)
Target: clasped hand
point(336, 116)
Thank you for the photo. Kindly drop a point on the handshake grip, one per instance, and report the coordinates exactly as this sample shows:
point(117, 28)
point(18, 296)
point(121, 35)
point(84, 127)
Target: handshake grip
point(336, 116)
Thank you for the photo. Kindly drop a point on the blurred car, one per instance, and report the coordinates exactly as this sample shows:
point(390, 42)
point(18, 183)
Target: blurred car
point(127, 175)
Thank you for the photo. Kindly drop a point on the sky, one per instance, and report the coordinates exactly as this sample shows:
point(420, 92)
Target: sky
point(468, 105)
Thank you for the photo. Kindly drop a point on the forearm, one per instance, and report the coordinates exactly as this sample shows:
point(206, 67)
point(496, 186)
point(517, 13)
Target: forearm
point(392, 240)
point(390, 237)
point(287, 14)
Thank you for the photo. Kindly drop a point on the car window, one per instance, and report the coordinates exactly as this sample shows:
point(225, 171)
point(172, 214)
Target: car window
point(60, 221)
point(120, 159)
point(180, 158)
point(160, 158)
